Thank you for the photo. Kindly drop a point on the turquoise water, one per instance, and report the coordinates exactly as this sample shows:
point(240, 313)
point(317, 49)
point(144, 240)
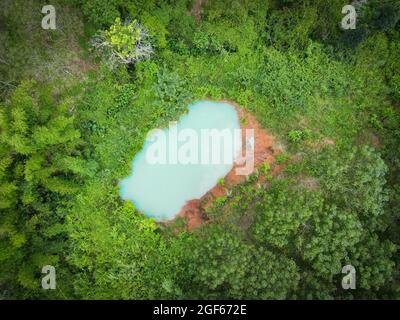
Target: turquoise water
point(160, 186)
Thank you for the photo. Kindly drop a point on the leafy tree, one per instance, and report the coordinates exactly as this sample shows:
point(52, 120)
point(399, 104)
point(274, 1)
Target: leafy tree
point(42, 167)
point(350, 230)
point(381, 15)
point(119, 253)
point(331, 234)
point(355, 180)
point(371, 258)
point(102, 13)
point(206, 43)
point(225, 267)
point(281, 214)
point(123, 43)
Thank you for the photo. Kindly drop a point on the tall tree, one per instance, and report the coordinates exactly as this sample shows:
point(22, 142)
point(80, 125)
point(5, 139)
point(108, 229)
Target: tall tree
point(41, 167)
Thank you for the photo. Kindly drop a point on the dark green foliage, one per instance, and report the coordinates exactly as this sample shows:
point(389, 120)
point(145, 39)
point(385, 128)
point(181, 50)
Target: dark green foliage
point(281, 213)
point(101, 12)
point(225, 267)
point(373, 16)
point(322, 226)
point(355, 180)
point(382, 15)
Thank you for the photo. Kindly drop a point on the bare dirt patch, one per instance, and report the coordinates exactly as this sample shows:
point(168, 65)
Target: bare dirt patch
point(196, 9)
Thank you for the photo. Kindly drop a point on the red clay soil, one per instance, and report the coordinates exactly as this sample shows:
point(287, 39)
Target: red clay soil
point(264, 151)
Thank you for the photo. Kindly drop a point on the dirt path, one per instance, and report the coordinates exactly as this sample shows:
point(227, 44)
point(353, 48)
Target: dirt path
point(264, 151)
point(196, 9)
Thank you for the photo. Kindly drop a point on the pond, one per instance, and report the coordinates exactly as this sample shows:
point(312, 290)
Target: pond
point(184, 161)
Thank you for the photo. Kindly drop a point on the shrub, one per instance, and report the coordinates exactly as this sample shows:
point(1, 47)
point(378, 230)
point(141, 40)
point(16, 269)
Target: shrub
point(101, 13)
point(296, 136)
point(123, 43)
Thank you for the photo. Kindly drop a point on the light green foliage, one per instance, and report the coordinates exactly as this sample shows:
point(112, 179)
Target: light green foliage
point(296, 136)
point(123, 43)
point(206, 43)
point(123, 37)
point(157, 30)
point(131, 260)
point(134, 247)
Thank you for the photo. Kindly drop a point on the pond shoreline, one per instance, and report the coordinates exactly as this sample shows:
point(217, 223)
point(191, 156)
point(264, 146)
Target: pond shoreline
point(264, 151)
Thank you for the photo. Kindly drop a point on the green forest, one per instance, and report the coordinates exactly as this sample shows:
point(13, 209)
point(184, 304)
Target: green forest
point(76, 103)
